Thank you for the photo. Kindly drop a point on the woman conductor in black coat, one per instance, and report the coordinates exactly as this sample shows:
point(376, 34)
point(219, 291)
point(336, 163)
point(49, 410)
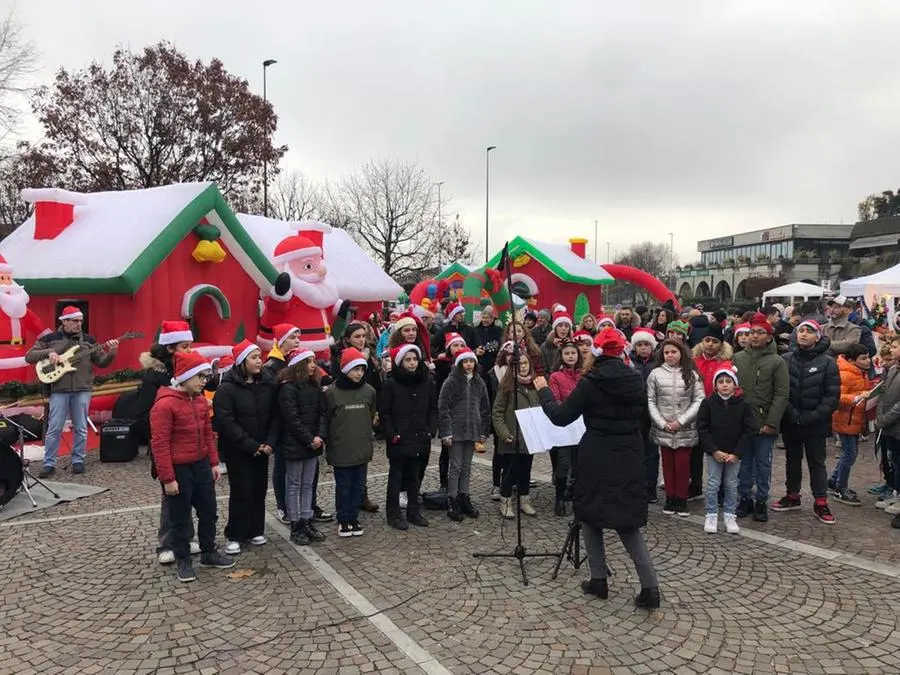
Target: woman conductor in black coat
point(609, 477)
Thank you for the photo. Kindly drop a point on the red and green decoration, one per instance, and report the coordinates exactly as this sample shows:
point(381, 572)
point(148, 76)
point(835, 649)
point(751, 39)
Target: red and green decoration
point(208, 249)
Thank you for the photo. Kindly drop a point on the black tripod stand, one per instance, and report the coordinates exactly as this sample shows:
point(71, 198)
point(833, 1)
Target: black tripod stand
point(29, 480)
point(519, 552)
point(571, 549)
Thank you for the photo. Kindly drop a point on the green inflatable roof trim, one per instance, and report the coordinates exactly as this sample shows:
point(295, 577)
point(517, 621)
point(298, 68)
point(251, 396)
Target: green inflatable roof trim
point(131, 280)
point(519, 245)
point(454, 268)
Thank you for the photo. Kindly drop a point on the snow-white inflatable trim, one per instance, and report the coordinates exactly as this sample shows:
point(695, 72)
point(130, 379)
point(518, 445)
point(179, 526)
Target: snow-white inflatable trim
point(530, 283)
point(15, 362)
point(215, 294)
point(213, 351)
point(34, 195)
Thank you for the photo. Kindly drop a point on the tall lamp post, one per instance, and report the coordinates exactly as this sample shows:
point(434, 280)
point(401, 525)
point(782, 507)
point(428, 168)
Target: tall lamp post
point(487, 202)
point(266, 64)
point(440, 225)
point(596, 262)
point(607, 252)
point(672, 260)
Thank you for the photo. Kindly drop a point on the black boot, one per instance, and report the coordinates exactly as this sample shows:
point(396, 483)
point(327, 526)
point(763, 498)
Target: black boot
point(415, 517)
point(648, 598)
point(466, 506)
point(312, 532)
point(559, 509)
point(761, 512)
point(744, 508)
point(597, 587)
point(453, 509)
point(298, 533)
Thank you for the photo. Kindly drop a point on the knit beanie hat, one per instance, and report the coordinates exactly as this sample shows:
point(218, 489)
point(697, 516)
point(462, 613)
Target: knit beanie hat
point(643, 335)
point(241, 351)
point(399, 353)
point(715, 331)
point(188, 364)
point(175, 332)
point(351, 358)
point(678, 327)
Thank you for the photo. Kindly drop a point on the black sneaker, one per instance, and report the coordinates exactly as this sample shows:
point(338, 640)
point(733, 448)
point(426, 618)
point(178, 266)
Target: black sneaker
point(78, 468)
point(822, 512)
point(847, 497)
point(312, 532)
point(467, 507)
point(47, 471)
point(652, 498)
point(790, 502)
point(299, 535)
point(417, 519)
point(681, 508)
point(669, 507)
point(744, 508)
point(398, 523)
point(185, 570)
point(345, 530)
point(216, 559)
point(322, 516)
point(761, 511)
point(358, 530)
point(453, 511)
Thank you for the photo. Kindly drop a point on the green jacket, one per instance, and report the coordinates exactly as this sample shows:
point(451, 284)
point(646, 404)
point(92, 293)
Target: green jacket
point(349, 413)
point(763, 375)
point(504, 415)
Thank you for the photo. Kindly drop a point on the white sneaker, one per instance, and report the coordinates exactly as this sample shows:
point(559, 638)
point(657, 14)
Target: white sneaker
point(884, 503)
point(711, 525)
point(232, 548)
point(893, 509)
point(166, 557)
point(259, 541)
point(404, 500)
point(495, 493)
point(731, 524)
point(195, 548)
point(282, 517)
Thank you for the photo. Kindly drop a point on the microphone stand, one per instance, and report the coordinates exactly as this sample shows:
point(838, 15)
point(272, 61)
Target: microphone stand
point(519, 552)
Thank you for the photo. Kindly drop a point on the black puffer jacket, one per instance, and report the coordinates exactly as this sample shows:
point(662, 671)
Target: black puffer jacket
point(610, 479)
point(815, 391)
point(408, 411)
point(155, 374)
point(725, 424)
point(244, 413)
point(302, 408)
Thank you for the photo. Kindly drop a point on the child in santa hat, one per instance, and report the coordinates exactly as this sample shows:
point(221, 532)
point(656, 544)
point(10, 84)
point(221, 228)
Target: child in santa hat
point(187, 462)
point(560, 332)
point(350, 410)
point(643, 346)
point(563, 381)
point(464, 417)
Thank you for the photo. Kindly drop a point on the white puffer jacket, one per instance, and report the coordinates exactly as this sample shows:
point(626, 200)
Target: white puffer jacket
point(670, 399)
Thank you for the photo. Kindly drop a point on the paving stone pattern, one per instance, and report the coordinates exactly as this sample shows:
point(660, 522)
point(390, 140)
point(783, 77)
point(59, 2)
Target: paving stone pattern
point(86, 595)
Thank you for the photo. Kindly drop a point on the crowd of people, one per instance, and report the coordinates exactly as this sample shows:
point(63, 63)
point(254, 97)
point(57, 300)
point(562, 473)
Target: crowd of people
point(686, 391)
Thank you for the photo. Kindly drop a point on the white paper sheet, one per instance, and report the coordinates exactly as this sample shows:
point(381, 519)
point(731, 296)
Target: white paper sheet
point(540, 434)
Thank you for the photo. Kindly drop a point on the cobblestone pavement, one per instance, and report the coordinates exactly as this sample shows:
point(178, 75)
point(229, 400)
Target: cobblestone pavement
point(85, 595)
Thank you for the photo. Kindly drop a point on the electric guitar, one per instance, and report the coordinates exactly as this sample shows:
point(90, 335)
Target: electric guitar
point(48, 372)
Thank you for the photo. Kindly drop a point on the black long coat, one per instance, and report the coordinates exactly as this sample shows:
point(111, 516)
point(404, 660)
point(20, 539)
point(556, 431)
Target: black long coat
point(244, 414)
point(610, 482)
point(408, 411)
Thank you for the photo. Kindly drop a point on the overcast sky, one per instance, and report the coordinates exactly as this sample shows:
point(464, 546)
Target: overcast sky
point(698, 118)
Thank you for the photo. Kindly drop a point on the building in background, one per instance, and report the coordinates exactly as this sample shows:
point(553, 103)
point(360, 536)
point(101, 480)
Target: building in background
point(729, 265)
point(875, 237)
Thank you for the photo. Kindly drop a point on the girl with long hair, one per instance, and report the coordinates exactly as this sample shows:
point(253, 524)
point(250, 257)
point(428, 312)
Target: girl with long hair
point(560, 332)
point(563, 381)
point(674, 394)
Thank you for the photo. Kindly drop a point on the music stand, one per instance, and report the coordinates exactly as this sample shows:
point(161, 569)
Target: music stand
point(26, 474)
point(519, 552)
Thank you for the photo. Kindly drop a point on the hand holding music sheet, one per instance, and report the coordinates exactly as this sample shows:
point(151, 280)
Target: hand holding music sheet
point(540, 434)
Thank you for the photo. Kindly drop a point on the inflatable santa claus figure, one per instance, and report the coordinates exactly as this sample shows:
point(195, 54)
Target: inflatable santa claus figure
point(19, 327)
point(304, 295)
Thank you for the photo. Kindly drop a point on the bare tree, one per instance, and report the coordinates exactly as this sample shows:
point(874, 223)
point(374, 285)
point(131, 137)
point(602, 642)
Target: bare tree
point(651, 257)
point(454, 243)
point(296, 197)
point(22, 169)
point(18, 60)
point(391, 207)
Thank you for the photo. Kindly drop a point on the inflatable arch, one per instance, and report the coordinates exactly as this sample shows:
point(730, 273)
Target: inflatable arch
point(490, 281)
point(647, 281)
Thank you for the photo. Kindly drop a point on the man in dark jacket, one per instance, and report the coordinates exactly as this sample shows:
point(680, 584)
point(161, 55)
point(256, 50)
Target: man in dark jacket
point(814, 396)
point(70, 396)
point(541, 329)
point(781, 328)
point(764, 380)
point(489, 335)
point(456, 323)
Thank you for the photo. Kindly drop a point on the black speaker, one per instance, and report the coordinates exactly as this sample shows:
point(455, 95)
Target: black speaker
point(116, 442)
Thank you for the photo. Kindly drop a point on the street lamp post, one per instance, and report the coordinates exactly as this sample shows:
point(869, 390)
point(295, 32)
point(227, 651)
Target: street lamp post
point(672, 260)
point(440, 225)
point(607, 252)
point(487, 202)
point(596, 262)
point(266, 64)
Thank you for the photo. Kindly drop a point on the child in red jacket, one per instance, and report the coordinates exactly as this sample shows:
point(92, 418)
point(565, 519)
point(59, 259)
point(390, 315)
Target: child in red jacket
point(563, 380)
point(187, 463)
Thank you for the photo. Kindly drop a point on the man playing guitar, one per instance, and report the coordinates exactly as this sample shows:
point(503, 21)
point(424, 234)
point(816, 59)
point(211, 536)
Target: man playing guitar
point(70, 396)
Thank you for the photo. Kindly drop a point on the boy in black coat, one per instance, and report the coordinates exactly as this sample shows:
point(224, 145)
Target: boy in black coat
point(725, 423)
point(408, 412)
point(815, 392)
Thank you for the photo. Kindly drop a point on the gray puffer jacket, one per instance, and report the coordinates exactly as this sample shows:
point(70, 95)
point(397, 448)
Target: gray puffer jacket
point(670, 399)
point(464, 410)
point(888, 417)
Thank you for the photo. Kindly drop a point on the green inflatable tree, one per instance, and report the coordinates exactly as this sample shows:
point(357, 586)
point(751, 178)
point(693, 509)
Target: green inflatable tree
point(582, 307)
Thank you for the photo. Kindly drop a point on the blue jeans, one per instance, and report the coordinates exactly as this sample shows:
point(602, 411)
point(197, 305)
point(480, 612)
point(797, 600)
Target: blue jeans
point(756, 468)
point(73, 405)
point(349, 483)
point(850, 447)
point(718, 473)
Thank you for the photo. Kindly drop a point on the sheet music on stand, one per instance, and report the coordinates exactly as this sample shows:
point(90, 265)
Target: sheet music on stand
point(541, 434)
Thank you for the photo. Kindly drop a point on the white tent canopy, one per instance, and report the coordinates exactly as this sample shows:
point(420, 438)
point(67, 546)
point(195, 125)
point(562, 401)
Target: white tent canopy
point(886, 282)
point(799, 289)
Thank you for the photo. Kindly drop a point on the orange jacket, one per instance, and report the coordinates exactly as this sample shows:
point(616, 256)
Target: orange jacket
point(849, 418)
